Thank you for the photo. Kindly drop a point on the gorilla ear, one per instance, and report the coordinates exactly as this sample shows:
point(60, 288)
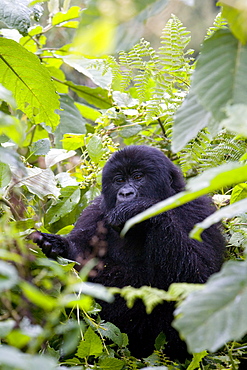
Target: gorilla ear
point(176, 179)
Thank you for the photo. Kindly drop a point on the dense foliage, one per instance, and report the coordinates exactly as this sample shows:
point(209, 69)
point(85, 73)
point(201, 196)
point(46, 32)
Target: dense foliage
point(64, 108)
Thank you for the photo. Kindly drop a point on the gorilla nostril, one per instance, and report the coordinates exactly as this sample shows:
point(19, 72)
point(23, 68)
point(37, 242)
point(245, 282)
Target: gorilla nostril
point(127, 193)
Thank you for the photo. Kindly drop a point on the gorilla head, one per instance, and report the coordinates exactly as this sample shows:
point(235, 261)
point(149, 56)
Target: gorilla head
point(139, 172)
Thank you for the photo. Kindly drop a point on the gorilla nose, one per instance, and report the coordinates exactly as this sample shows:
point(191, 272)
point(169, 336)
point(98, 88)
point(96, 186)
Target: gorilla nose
point(125, 194)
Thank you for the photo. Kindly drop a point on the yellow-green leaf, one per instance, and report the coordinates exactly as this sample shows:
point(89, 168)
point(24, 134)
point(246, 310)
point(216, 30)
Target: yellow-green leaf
point(22, 73)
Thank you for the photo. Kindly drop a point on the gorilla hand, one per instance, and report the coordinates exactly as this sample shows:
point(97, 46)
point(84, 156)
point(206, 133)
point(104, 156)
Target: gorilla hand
point(52, 245)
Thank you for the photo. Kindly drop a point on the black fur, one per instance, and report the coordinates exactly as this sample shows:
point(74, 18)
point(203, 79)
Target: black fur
point(156, 252)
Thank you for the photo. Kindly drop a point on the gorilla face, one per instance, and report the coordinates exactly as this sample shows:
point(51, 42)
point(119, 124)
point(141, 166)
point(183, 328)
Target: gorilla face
point(139, 172)
point(128, 186)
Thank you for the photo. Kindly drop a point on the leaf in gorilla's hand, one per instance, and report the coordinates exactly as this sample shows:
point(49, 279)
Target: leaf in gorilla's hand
point(22, 73)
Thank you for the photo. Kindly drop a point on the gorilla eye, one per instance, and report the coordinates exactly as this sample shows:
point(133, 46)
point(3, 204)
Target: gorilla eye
point(119, 180)
point(137, 176)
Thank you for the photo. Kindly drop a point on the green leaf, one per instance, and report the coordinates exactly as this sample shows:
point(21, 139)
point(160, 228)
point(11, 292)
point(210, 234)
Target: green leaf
point(156, 368)
point(71, 120)
point(236, 120)
point(40, 182)
point(109, 330)
point(95, 149)
point(68, 200)
point(124, 99)
point(81, 301)
point(225, 59)
point(90, 346)
point(211, 180)
point(64, 17)
point(71, 335)
point(40, 147)
point(73, 141)
point(18, 339)
point(37, 297)
point(13, 128)
point(5, 175)
point(190, 118)
point(93, 95)
point(236, 14)
point(8, 276)
point(111, 364)
point(130, 131)
point(30, 83)
point(197, 358)
point(209, 318)
point(92, 68)
point(24, 225)
point(88, 112)
point(239, 192)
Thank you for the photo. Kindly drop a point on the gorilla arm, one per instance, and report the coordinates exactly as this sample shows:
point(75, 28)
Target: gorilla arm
point(78, 240)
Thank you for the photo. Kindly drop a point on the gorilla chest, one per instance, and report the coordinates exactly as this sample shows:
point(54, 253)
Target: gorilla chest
point(129, 251)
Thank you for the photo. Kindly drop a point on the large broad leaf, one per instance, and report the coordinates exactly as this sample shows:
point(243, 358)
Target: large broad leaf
point(92, 68)
point(55, 156)
point(209, 318)
point(40, 182)
point(71, 120)
point(211, 180)
point(93, 95)
point(190, 118)
point(30, 83)
point(69, 199)
point(219, 79)
point(220, 73)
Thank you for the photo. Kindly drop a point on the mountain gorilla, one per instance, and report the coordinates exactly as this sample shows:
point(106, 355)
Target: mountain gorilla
point(156, 252)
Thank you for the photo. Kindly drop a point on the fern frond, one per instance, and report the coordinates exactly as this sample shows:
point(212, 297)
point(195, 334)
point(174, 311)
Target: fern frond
point(224, 148)
point(219, 23)
point(191, 155)
point(174, 40)
point(127, 71)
